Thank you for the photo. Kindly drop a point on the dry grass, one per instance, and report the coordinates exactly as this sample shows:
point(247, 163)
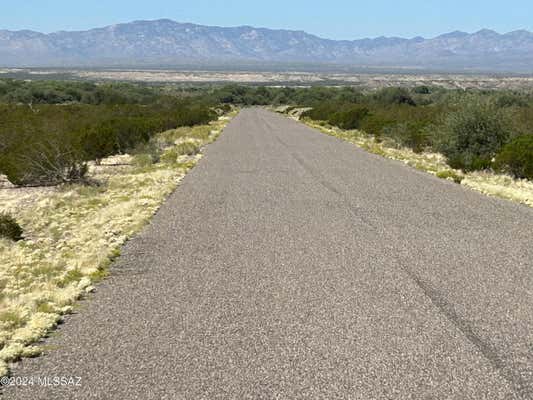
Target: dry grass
point(72, 235)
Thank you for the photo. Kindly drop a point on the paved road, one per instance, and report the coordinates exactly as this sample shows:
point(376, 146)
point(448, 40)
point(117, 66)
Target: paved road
point(292, 265)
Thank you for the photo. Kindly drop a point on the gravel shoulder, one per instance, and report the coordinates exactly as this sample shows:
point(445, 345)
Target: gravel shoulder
point(290, 264)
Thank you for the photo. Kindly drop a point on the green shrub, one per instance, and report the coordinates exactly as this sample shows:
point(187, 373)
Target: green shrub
point(44, 163)
point(349, 117)
point(516, 157)
point(471, 136)
point(468, 162)
point(225, 108)
point(409, 134)
point(422, 90)
point(450, 175)
point(49, 144)
point(9, 228)
point(394, 95)
point(511, 100)
point(343, 115)
point(321, 112)
point(374, 125)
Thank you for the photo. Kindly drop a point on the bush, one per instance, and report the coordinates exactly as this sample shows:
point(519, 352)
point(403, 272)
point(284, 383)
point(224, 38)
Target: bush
point(44, 163)
point(374, 125)
point(516, 157)
point(395, 95)
point(422, 90)
point(50, 144)
point(511, 100)
point(409, 134)
point(473, 135)
point(343, 115)
point(9, 228)
point(349, 117)
point(450, 175)
point(321, 112)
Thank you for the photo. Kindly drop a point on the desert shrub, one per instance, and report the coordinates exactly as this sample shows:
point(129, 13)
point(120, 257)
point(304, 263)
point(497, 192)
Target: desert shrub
point(99, 142)
point(56, 160)
point(374, 124)
point(471, 136)
point(410, 134)
point(322, 112)
point(50, 144)
point(223, 108)
point(469, 162)
point(343, 115)
point(450, 175)
point(516, 157)
point(422, 90)
point(349, 116)
point(511, 99)
point(9, 228)
point(395, 95)
point(60, 92)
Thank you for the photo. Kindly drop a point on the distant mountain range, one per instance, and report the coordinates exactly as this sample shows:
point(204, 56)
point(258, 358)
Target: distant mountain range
point(169, 43)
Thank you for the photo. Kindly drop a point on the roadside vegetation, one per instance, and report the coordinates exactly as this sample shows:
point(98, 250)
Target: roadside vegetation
point(83, 166)
point(481, 139)
point(76, 181)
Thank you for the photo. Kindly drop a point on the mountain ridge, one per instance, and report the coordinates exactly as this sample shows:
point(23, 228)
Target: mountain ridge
point(146, 43)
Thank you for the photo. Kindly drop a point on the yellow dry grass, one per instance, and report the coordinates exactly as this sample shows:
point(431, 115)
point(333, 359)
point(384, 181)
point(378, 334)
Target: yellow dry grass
point(72, 234)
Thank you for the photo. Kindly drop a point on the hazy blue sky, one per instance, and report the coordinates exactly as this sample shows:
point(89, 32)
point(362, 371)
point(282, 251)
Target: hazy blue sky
point(336, 19)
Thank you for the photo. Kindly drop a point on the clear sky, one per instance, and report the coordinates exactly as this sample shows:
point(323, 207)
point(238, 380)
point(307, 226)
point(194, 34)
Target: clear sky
point(335, 19)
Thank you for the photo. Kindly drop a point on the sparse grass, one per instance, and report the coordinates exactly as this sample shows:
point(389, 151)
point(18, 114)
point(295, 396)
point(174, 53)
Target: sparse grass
point(187, 149)
point(73, 233)
point(142, 160)
point(504, 186)
point(202, 133)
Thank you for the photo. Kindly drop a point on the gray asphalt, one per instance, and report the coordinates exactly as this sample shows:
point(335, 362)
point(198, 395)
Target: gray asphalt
point(292, 265)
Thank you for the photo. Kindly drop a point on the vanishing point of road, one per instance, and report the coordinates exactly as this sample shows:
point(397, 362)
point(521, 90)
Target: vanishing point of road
point(292, 265)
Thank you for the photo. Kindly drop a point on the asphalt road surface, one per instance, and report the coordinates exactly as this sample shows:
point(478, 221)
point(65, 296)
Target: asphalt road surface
point(292, 265)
